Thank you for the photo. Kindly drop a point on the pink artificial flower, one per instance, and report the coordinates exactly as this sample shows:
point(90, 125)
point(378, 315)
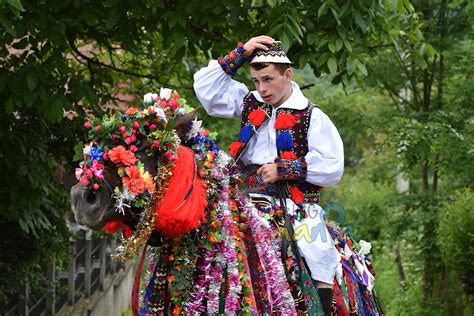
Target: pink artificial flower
point(98, 170)
point(173, 104)
point(78, 173)
point(84, 181)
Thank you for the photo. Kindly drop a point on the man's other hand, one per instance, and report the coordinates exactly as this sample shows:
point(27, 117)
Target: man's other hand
point(268, 173)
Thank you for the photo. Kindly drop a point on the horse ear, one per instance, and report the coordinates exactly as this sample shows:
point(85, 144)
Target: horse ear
point(182, 122)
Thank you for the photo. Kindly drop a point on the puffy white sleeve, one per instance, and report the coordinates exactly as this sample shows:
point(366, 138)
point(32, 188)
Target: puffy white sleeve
point(325, 157)
point(220, 95)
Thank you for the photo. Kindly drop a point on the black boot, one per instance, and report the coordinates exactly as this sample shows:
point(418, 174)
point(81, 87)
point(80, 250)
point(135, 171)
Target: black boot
point(325, 296)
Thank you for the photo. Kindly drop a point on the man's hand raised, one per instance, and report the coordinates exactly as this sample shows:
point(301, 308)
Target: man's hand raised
point(258, 42)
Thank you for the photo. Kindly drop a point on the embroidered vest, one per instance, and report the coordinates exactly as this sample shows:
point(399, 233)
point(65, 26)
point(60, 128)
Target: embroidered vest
point(299, 137)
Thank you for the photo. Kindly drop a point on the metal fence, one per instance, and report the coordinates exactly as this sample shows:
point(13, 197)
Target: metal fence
point(89, 264)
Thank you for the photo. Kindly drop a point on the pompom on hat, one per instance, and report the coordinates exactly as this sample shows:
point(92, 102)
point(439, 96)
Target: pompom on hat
point(276, 54)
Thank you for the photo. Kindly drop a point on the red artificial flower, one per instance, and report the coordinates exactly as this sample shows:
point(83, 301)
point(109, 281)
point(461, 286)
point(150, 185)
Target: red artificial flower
point(256, 117)
point(134, 182)
point(234, 148)
point(112, 227)
point(173, 103)
point(155, 145)
point(119, 155)
point(288, 155)
point(296, 195)
point(285, 121)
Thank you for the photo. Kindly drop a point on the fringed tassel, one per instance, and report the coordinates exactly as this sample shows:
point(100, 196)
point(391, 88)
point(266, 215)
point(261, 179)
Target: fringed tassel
point(285, 121)
point(245, 133)
point(296, 195)
point(288, 155)
point(182, 207)
point(284, 141)
point(235, 147)
point(257, 117)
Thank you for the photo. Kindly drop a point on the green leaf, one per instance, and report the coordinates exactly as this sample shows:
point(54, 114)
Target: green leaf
point(360, 21)
point(420, 61)
point(338, 44)
point(78, 151)
point(31, 80)
point(336, 16)
point(332, 65)
point(400, 7)
point(276, 29)
point(351, 66)
point(323, 9)
point(361, 67)
point(272, 3)
point(16, 4)
point(322, 59)
point(178, 37)
point(348, 46)
point(332, 48)
point(8, 27)
point(312, 39)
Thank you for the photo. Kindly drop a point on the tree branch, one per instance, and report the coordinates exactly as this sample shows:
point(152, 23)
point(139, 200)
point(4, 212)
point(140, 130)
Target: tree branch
point(96, 62)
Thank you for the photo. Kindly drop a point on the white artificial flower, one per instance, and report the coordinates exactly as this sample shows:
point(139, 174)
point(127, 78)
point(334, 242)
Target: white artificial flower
point(195, 128)
point(365, 247)
point(159, 112)
point(165, 93)
point(149, 98)
point(87, 149)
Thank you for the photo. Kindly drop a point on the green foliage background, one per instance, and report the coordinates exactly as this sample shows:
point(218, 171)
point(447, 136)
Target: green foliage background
point(395, 76)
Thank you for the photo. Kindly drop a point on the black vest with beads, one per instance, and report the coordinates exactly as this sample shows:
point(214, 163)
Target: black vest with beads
point(299, 134)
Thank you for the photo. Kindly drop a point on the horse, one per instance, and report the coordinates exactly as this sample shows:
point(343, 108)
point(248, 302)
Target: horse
point(159, 177)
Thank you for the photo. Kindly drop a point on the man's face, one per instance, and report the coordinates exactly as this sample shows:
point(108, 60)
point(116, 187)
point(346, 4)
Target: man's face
point(273, 87)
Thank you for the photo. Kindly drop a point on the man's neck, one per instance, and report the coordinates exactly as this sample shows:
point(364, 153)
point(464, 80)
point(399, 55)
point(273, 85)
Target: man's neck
point(284, 99)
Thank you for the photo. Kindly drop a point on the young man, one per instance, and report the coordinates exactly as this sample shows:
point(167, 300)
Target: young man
point(289, 148)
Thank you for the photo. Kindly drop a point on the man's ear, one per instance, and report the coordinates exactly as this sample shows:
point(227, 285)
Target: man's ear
point(288, 74)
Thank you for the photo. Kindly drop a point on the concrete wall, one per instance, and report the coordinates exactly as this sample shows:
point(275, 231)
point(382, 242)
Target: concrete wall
point(112, 301)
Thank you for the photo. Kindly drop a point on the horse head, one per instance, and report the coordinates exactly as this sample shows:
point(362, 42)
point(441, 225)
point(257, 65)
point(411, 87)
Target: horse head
point(120, 162)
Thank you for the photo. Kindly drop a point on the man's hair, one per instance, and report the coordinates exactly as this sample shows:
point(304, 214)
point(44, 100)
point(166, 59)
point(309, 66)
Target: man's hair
point(279, 66)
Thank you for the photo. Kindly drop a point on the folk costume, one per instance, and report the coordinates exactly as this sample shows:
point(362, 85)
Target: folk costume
point(297, 136)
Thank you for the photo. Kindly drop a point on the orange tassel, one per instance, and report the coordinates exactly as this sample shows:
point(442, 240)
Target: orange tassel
point(288, 155)
point(296, 195)
point(256, 117)
point(178, 214)
point(285, 121)
point(234, 148)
